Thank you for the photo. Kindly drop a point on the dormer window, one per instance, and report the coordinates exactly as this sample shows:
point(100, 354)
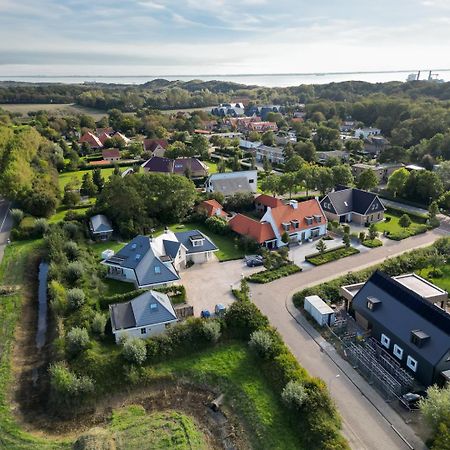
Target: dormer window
point(373, 303)
point(318, 218)
point(295, 223)
point(418, 337)
point(309, 220)
point(286, 226)
point(197, 240)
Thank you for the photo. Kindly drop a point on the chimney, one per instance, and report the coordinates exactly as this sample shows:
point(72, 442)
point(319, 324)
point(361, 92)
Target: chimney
point(293, 203)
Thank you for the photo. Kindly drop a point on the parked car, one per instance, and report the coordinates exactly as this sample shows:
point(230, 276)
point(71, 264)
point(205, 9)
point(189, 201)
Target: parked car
point(254, 260)
point(411, 400)
point(205, 314)
point(219, 309)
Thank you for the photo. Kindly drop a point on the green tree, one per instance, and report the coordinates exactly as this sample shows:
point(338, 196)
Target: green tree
point(268, 138)
point(346, 240)
point(404, 221)
point(306, 150)
point(367, 180)
point(134, 351)
point(293, 164)
point(77, 340)
point(87, 186)
point(289, 183)
point(321, 246)
point(267, 166)
point(397, 181)
point(98, 179)
point(200, 146)
point(323, 177)
point(271, 184)
point(342, 174)
point(436, 407)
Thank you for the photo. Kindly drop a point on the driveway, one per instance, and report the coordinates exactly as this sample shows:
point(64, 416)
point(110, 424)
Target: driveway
point(210, 283)
point(5, 225)
point(366, 424)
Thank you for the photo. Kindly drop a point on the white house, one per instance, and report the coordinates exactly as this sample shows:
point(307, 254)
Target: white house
point(366, 132)
point(272, 154)
point(149, 314)
point(230, 183)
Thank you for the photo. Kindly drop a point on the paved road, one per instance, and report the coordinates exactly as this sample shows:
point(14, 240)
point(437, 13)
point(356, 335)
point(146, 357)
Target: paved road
point(364, 425)
point(5, 225)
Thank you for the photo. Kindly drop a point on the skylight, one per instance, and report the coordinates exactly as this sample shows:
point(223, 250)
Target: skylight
point(345, 203)
point(157, 269)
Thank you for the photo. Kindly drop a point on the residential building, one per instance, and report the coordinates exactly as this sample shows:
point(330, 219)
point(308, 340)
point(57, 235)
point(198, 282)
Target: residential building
point(324, 157)
point(149, 314)
point(91, 139)
point(366, 132)
point(212, 208)
point(157, 147)
point(262, 127)
point(230, 183)
point(263, 111)
point(301, 222)
point(149, 262)
point(264, 201)
point(382, 171)
point(347, 125)
point(228, 109)
point(249, 145)
point(352, 205)
point(180, 166)
point(111, 154)
point(374, 145)
point(100, 227)
point(406, 325)
point(273, 154)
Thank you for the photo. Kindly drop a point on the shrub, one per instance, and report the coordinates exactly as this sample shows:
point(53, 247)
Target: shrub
point(17, 216)
point(74, 271)
point(217, 225)
point(243, 318)
point(134, 351)
point(75, 298)
point(67, 389)
point(321, 246)
point(71, 229)
point(436, 407)
point(346, 240)
point(40, 227)
point(346, 229)
point(266, 276)
point(262, 342)
point(362, 236)
point(294, 395)
point(331, 255)
point(99, 323)
point(405, 221)
point(247, 244)
point(212, 330)
point(77, 340)
point(71, 250)
point(58, 297)
point(372, 243)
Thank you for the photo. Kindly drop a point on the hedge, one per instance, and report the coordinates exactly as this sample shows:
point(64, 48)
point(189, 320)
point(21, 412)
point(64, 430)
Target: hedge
point(372, 243)
point(331, 255)
point(266, 276)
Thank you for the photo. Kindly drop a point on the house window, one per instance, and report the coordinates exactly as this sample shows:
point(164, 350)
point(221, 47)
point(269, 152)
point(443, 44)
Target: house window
point(398, 351)
point(385, 341)
point(411, 363)
point(143, 330)
point(251, 181)
point(197, 242)
point(379, 216)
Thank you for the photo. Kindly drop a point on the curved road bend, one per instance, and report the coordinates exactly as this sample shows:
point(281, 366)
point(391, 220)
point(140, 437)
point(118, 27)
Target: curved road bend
point(365, 426)
point(5, 225)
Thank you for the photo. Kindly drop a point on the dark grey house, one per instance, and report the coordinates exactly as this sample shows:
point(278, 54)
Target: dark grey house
point(100, 227)
point(413, 330)
point(352, 205)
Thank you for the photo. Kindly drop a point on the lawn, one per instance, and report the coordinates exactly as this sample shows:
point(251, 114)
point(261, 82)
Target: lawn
point(66, 177)
point(396, 231)
point(442, 282)
point(62, 210)
point(233, 369)
point(228, 249)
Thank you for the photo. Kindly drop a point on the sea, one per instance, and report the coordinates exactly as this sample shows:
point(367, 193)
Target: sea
point(269, 80)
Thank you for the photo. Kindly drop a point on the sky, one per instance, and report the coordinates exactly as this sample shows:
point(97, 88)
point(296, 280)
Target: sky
point(190, 37)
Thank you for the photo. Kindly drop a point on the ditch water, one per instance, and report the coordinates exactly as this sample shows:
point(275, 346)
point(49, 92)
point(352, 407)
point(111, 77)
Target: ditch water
point(41, 331)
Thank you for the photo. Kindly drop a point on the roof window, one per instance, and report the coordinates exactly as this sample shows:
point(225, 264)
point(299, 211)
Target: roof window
point(157, 269)
point(373, 303)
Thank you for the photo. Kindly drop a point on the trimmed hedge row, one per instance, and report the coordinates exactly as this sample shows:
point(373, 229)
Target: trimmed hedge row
point(331, 255)
point(266, 276)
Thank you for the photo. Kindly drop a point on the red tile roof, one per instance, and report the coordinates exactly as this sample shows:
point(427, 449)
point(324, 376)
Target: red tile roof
point(259, 231)
point(103, 137)
point(111, 153)
point(211, 207)
point(286, 214)
point(151, 144)
point(91, 139)
point(268, 200)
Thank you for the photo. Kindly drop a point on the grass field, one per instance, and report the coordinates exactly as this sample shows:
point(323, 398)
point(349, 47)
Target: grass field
point(62, 210)
point(61, 109)
point(396, 231)
point(66, 177)
point(228, 250)
point(442, 282)
point(234, 369)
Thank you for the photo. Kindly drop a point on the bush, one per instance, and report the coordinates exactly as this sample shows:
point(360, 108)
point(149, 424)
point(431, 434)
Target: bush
point(243, 318)
point(212, 330)
point(40, 227)
point(405, 221)
point(58, 297)
point(74, 271)
point(17, 216)
point(71, 229)
point(75, 298)
point(71, 250)
point(331, 255)
point(217, 225)
point(436, 407)
point(262, 342)
point(177, 293)
point(134, 351)
point(362, 236)
point(67, 389)
point(372, 243)
point(346, 229)
point(266, 276)
point(294, 395)
point(77, 340)
point(99, 323)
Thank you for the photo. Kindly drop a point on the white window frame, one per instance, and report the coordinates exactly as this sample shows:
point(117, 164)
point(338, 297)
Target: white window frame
point(398, 351)
point(385, 341)
point(411, 363)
